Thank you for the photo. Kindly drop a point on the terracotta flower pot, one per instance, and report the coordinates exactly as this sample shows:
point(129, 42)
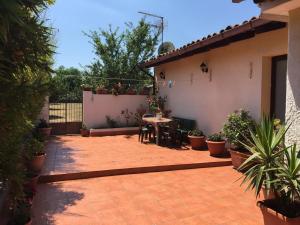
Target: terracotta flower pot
point(45, 132)
point(36, 164)
point(197, 142)
point(31, 184)
point(131, 92)
point(85, 132)
point(238, 158)
point(216, 148)
point(102, 91)
point(271, 217)
point(86, 88)
point(29, 223)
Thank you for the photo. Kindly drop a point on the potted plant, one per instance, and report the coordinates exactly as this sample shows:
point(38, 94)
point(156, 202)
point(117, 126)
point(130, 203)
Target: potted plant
point(21, 214)
point(84, 131)
point(36, 154)
point(145, 91)
point(216, 144)
point(101, 89)
point(86, 87)
point(31, 181)
point(237, 131)
point(197, 139)
point(276, 169)
point(44, 129)
point(131, 91)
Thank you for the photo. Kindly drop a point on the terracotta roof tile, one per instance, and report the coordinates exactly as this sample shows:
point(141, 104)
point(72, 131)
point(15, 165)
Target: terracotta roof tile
point(210, 36)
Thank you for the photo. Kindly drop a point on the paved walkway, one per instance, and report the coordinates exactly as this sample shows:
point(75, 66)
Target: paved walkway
point(74, 154)
point(208, 196)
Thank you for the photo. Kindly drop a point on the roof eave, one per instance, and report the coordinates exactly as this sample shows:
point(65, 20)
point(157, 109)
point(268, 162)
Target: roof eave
point(242, 32)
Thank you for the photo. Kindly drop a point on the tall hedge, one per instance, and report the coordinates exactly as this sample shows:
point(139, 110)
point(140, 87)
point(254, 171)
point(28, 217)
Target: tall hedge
point(25, 67)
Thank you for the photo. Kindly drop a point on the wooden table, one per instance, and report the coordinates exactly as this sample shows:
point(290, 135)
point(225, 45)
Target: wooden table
point(156, 122)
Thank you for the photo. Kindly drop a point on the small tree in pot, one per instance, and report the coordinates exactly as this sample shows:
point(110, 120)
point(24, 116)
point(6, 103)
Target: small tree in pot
point(197, 139)
point(35, 154)
point(216, 144)
point(237, 130)
point(275, 168)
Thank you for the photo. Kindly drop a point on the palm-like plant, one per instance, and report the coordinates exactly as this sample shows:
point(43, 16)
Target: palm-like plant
point(265, 146)
point(289, 176)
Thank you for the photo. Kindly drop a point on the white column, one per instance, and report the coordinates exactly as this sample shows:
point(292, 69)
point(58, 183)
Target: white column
point(293, 81)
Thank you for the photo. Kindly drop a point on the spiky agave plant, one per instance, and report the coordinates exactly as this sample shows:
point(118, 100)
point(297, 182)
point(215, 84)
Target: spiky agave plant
point(266, 148)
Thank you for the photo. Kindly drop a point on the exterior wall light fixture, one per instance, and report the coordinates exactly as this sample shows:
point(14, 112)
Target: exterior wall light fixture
point(204, 67)
point(162, 75)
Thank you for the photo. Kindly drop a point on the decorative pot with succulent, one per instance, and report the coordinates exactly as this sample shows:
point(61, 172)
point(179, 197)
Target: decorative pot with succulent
point(84, 131)
point(197, 139)
point(44, 128)
point(237, 131)
point(101, 90)
point(276, 169)
point(216, 144)
point(36, 154)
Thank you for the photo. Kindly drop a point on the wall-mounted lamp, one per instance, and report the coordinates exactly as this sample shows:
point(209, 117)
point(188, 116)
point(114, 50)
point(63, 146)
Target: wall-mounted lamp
point(204, 67)
point(162, 75)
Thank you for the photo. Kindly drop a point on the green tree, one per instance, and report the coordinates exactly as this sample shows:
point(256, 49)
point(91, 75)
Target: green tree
point(25, 65)
point(166, 47)
point(66, 85)
point(118, 54)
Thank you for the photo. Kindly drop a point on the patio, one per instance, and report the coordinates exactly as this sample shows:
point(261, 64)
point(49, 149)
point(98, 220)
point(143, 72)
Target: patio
point(73, 157)
point(208, 196)
point(167, 193)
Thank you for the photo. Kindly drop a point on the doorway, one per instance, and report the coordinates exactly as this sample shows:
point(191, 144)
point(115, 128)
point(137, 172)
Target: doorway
point(278, 87)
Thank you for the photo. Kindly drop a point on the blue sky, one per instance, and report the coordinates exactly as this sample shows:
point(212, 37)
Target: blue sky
point(187, 20)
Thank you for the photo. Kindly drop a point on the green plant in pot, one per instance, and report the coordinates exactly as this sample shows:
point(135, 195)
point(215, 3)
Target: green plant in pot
point(197, 139)
point(216, 144)
point(21, 214)
point(84, 131)
point(237, 130)
point(35, 154)
point(44, 128)
point(274, 169)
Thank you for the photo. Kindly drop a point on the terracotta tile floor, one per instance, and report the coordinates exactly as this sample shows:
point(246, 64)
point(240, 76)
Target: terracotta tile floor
point(71, 154)
point(207, 196)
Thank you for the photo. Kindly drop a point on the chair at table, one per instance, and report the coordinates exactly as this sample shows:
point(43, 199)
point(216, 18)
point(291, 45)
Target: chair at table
point(168, 133)
point(185, 125)
point(146, 130)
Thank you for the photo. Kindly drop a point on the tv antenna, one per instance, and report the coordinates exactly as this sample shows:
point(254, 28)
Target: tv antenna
point(160, 26)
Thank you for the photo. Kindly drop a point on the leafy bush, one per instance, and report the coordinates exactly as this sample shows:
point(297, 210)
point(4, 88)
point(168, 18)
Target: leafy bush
point(237, 128)
point(196, 133)
point(217, 137)
point(111, 122)
point(33, 147)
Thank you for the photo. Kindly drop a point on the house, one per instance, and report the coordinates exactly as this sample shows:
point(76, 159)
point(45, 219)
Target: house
point(242, 66)
point(288, 11)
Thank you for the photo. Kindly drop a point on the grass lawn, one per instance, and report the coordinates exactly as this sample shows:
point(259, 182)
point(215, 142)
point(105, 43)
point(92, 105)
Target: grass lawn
point(65, 112)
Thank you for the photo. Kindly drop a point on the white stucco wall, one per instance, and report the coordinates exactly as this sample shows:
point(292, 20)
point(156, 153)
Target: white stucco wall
point(96, 107)
point(293, 81)
point(232, 85)
point(45, 111)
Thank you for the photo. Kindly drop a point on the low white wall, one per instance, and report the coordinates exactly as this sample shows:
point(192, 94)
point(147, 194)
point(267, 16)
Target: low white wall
point(96, 107)
point(237, 79)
